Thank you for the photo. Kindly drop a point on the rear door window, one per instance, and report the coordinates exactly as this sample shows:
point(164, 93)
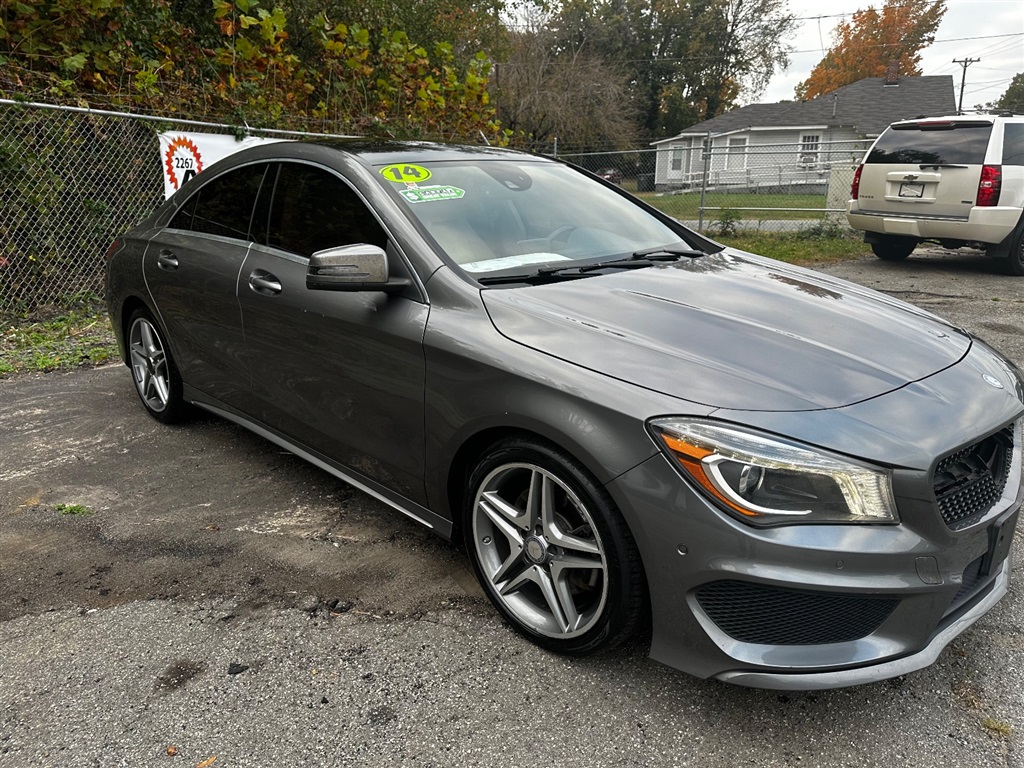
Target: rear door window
point(224, 206)
point(954, 143)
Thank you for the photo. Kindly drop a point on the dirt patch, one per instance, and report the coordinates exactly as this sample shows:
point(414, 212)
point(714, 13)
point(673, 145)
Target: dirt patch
point(192, 511)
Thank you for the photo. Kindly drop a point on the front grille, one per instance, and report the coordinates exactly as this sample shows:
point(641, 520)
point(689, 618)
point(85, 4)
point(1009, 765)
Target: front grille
point(754, 613)
point(969, 482)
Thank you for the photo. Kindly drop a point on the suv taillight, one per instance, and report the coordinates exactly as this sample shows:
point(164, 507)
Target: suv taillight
point(990, 184)
point(855, 187)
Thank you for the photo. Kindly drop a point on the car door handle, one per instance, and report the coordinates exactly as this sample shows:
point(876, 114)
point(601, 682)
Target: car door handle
point(167, 260)
point(264, 282)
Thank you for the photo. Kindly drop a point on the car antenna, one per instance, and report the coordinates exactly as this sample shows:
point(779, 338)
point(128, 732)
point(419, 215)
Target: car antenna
point(484, 138)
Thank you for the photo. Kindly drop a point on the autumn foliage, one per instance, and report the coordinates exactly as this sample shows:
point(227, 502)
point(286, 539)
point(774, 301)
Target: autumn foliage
point(871, 39)
point(241, 61)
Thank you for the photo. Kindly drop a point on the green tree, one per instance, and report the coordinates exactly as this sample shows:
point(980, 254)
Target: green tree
point(237, 60)
point(468, 27)
point(866, 44)
point(685, 61)
point(1013, 97)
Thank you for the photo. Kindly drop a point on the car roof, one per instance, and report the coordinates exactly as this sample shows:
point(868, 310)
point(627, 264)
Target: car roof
point(989, 119)
point(373, 152)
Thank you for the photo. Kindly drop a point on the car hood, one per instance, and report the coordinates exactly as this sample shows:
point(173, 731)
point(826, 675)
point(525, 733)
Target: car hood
point(732, 331)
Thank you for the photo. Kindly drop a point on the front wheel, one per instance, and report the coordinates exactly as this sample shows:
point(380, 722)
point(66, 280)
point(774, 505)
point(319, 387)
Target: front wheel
point(551, 550)
point(894, 247)
point(156, 377)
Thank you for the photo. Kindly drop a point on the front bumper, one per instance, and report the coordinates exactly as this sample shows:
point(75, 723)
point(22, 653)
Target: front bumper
point(937, 581)
point(809, 681)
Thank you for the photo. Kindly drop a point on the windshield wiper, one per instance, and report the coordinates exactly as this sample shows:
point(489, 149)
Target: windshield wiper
point(540, 276)
point(639, 259)
point(646, 258)
point(922, 166)
point(668, 253)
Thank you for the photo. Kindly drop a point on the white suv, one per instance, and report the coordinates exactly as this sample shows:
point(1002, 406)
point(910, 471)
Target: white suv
point(954, 180)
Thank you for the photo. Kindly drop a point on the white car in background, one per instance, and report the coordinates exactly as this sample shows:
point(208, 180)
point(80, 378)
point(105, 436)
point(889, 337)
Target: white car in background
point(957, 181)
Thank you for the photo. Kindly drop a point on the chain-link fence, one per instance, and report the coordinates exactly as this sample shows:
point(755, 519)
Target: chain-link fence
point(767, 187)
point(72, 180)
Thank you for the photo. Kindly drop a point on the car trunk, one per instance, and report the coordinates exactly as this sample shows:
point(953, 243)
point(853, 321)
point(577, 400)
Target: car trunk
point(925, 168)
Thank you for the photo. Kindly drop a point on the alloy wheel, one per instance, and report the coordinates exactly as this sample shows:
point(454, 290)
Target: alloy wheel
point(149, 364)
point(539, 550)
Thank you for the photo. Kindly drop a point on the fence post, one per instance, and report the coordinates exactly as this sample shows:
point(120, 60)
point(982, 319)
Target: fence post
point(704, 182)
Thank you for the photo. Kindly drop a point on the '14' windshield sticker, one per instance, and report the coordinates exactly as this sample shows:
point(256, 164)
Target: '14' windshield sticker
point(405, 174)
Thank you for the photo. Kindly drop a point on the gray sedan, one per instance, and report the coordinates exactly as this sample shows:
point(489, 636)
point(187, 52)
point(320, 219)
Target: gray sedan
point(794, 481)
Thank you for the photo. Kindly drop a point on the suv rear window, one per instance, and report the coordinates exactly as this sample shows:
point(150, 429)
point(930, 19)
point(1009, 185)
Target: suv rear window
point(939, 143)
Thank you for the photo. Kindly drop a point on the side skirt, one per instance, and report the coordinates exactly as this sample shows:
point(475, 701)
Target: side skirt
point(409, 508)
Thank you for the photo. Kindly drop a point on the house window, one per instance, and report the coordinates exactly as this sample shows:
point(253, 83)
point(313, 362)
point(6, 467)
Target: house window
point(677, 158)
point(736, 156)
point(810, 144)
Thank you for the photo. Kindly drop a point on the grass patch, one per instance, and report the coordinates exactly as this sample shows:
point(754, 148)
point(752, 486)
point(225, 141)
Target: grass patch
point(688, 206)
point(997, 727)
point(797, 247)
point(51, 339)
point(79, 510)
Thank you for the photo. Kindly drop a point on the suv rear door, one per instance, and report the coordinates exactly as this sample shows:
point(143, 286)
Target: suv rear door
point(926, 168)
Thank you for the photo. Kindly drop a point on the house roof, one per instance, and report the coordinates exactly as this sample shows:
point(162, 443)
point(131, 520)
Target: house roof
point(867, 106)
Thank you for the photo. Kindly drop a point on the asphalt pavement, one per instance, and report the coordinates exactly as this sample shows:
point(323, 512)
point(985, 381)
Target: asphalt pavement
point(204, 599)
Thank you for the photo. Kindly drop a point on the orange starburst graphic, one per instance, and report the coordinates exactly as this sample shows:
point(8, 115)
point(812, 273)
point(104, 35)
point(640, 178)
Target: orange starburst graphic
point(182, 155)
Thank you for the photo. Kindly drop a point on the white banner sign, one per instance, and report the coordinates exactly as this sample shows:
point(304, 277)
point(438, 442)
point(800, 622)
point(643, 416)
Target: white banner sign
point(183, 155)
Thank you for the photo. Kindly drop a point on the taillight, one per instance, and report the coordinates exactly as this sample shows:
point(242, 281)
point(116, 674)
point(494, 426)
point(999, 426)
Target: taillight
point(990, 184)
point(855, 187)
point(113, 247)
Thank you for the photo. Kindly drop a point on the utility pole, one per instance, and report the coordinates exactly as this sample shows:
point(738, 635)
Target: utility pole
point(965, 63)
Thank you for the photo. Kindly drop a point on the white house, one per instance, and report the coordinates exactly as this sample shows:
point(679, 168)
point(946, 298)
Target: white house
point(795, 143)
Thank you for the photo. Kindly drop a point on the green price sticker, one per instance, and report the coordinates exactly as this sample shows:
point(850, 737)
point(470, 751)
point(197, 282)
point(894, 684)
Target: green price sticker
point(405, 174)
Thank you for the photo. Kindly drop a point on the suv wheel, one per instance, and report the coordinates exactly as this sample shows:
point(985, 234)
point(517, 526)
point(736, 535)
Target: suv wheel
point(1015, 259)
point(894, 247)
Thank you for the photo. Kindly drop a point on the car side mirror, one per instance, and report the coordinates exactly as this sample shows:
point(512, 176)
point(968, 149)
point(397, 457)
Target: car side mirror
point(359, 267)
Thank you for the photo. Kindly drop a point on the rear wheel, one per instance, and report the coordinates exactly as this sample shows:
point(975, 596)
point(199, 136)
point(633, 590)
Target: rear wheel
point(1015, 259)
point(894, 247)
point(156, 377)
point(551, 550)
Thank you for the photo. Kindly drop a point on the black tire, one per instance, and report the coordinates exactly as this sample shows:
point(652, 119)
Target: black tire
point(564, 571)
point(154, 373)
point(1014, 262)
point(894, 247)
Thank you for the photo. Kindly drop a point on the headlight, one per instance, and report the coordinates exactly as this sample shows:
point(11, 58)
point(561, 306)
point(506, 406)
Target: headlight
point(765, 480)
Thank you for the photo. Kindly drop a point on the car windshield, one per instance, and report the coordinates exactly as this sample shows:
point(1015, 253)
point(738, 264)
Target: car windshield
point(500, 216)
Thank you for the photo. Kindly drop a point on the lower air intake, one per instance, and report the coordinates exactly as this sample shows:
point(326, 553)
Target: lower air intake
point(754, 613)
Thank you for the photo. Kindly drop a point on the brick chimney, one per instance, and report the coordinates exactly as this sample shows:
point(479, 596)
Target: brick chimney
point(892, 73)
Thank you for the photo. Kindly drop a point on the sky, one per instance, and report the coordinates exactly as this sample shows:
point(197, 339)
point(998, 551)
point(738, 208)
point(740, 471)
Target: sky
point(990, 30)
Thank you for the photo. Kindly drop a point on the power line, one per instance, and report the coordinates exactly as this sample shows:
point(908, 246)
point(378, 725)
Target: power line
point(815, 50)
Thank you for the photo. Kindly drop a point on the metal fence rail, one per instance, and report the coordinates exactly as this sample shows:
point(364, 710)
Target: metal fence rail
point(768, 187)
point(72, 180)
